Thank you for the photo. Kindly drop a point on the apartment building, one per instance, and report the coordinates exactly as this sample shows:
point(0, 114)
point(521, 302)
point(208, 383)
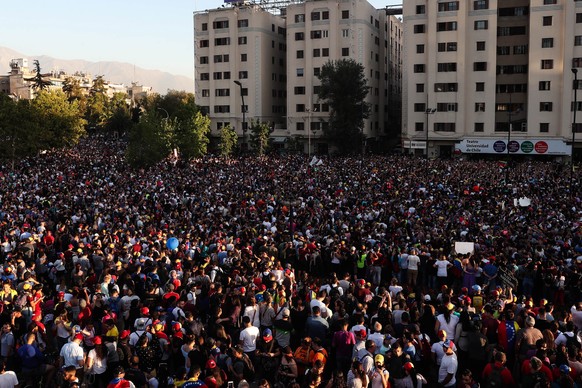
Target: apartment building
point(320, 31)
point(276, 58)
point(490, 77)
point(240, 55)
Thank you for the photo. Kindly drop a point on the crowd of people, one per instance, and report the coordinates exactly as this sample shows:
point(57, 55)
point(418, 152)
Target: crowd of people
point(273, 271)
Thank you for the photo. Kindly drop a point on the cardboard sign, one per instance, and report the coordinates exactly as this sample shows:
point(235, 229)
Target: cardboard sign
point(507, 278)
point(463, 248)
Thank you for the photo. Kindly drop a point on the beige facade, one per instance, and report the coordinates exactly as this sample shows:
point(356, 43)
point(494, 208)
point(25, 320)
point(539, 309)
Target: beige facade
point(244, 44)
point(276, 59)
point(474, 68)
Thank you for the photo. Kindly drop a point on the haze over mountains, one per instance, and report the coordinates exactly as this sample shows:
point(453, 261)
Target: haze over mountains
point(115, 72)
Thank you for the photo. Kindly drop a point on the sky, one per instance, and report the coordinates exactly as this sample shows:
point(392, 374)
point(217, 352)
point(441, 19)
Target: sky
point(153, 35)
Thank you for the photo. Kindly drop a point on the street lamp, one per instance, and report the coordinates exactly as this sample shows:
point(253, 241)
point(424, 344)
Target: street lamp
point(244, 111)
point(428, 111)
point(509, 109)
point(575, 71)
point(309, 112)
point(166, 112)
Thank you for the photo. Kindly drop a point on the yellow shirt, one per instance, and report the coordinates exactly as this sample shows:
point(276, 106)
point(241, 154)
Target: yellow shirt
point(113, 332)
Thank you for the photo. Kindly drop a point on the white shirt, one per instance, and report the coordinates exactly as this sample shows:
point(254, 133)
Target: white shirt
point(253, 313)
point(449, 364)
point(437, 349)
point(72, 353)
point(248, 337)
point(413, 262)
point(8, 379)
point(450, 327)
point(376, 380)
point(563, 338)
point(99, 366)
point(442, 266)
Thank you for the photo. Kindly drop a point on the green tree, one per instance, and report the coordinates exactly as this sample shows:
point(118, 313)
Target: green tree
point(72, 88)
point(344, 88)
point(119, 115)
point(191, 136)
point(150, 140)
point(259, 138)
point(61, 122)
point(38, 81)
point(97, 111)
point(228, 141)
point(17, 131)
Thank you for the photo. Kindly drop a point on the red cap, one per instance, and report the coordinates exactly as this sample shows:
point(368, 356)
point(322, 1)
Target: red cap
point(210, 364)
point(61, 294)
point(177, 326)
point(124, 334)
point(145, 311)
point(243, 290)
point(78, 336)
point(408, 366)
point(97, 340)
point(362, 333)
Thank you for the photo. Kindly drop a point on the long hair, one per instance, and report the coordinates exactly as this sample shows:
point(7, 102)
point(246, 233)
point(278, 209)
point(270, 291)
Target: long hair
point(100, 351)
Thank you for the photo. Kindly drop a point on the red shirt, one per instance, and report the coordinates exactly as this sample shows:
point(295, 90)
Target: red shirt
point(506, 376)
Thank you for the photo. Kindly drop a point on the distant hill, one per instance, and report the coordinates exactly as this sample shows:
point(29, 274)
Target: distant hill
point(115, 72)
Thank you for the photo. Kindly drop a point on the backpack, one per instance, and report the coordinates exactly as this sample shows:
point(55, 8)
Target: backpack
point(572, 341)
point(21, 301)
point(334, 293)
point(494, 380)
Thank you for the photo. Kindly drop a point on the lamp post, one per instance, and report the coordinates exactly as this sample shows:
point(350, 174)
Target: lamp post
point(309, 112)
point(509, 109)
point(428, 111)
point(166, 112)
point(244, 111)
point(575, 71)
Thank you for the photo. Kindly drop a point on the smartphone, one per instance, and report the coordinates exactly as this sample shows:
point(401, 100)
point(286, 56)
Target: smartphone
point(230, 384)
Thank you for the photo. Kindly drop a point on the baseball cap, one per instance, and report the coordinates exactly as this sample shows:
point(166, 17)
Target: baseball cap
point(448, 344)
point(379, 358)
point(210, 364)
point(26, 286)
point(61, 294)
point(362, 332)
point(427, 298)
point(267, 335)
point(408, 366)
point(145, 311)
point(285, 312)
point(124, 334)
point(97, 340)
point(78, 337)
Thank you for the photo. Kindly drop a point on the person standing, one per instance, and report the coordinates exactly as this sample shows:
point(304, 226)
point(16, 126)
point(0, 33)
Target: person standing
point(413, 263)
point(119, 380)
point(449, 365)
point(248, 337)
point(72, 355)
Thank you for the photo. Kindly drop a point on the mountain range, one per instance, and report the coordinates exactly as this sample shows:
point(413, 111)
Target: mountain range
point(115, 72)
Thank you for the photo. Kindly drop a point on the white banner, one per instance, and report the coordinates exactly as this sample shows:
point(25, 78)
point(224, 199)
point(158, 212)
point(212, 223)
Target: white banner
point(463, 248)
point(420, 145)
point(517, 146)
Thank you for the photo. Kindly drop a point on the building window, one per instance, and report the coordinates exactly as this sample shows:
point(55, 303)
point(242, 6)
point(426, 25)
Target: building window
point(579, 18)
point(576, 62)
point(300, 72)
point(481, 24)
point(243, 57)
point(480, 45)
point(315, 34)
point(446, 26)
point(447, 67)
point(345, 14)
point(547, 64)
point(226, 75)
point(419, 68)
point(242, 40)
point(204, 60)
point(419, 126)
point(481, 4)
point(299, 90)
point(548, 2)
point(222, 41)
point(315, 16)
point(205, 92)
point(419, 88)
point(446, 87)
point(217, 25)
point(479, 86)
point(544, 85)
point(204, 43)
point(546, 106)
point(299, 54)
point(503, 50)
point(316, 71)
point(299, 36)
point(222, 92)
point(345, 33)
point(479, 127)
point(420, 49)
point(520, 49)
point(325, 15)
point(243, 23)
point(544, 127)
point(444, 127)
point(300, 108)
point(325, 52)
point(479, 66)
point(419, 107)
point(447, 107)
point(578, 40)
point(300, 18)
point(217, 75)
point(243, 75)
point(419, 29)
point(448, 6)
point(204, 26)
point(547, 42)
point(204, 76)
point(547, 20)
point(345, 51)
point(316, 52)
point(221, 108)
point(479, 107)
point(420, 9)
